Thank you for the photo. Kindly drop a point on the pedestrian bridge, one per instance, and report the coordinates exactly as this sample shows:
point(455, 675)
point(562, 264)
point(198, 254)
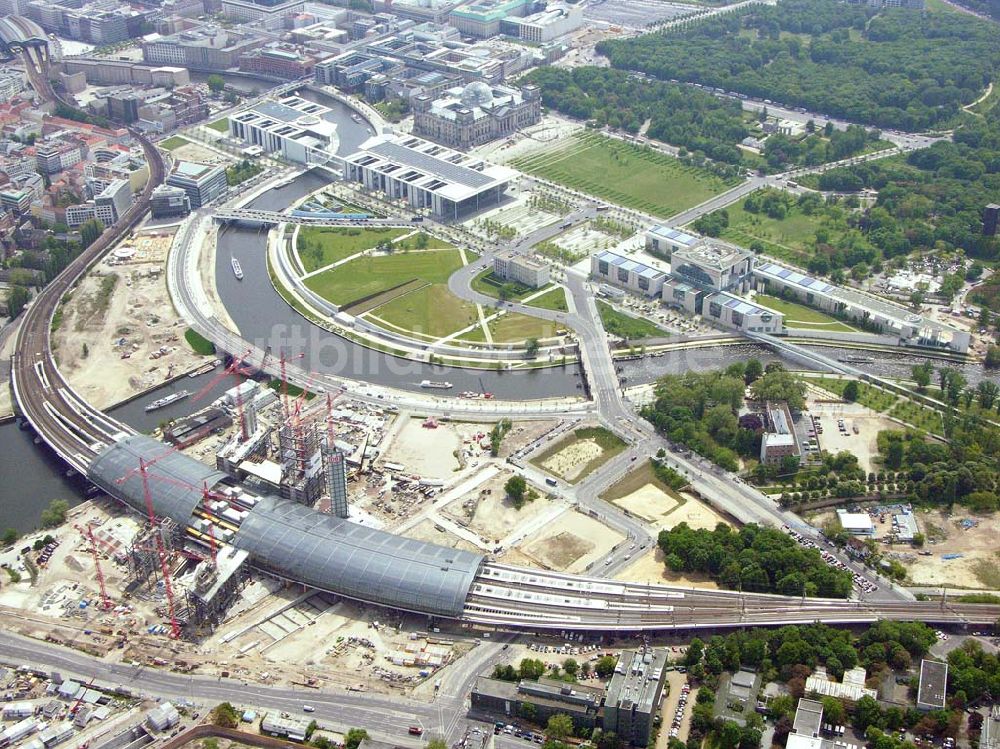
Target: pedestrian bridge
point(305, 218)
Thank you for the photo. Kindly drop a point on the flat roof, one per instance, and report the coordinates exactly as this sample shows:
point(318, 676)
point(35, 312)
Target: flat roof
point(674, 235)
point(808, 717)
point(933, 684)
point(712, 253)
point(431, 164)
point(633, 266)
point(637, 679)
point(738, 304)
point(855, 519)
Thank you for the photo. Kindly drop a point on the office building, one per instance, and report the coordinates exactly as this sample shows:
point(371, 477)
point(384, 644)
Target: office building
point(293, 127)
point(807, 727)
point(15, 200)
point(778, 441)
point(111, 203)
point(990, 736)
point(202, 182)
point(167, 201)
point(991, 217)
point(270, 14)
point(873, 313)
point(429, 177)
point(107, 72)
point(856, 523)
point(11, 84)
point(933, 685)
point(539, 28)
point(548, 697)
point(481, 18)
point(852, 688)
point(208, 48)
point(510, 266)
point(477, 113)
point(278, 63)
point(634, 695)
point(54, 156)
point(627, 273)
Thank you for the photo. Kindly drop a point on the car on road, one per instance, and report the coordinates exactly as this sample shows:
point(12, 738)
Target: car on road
point(308, 709)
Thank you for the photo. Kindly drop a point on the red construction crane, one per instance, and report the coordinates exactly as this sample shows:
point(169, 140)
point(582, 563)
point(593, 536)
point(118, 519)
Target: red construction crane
point(284, 381)
point(76, 705)
point(175, 629)
point(88, 533)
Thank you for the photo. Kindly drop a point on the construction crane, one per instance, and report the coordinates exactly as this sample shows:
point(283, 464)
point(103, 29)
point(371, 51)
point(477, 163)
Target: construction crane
point(175, 629)
point(76, 705)
point(88, 533)
point(284, 381)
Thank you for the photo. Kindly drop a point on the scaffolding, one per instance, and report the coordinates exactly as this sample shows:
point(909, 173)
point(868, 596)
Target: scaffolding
point(216, 586)
point(142, 557)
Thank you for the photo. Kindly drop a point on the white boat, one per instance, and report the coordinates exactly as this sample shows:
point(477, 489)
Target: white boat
point(435, 385)
point(237, 269)
point(356, 117)
point(167, 400)
point(857, 359)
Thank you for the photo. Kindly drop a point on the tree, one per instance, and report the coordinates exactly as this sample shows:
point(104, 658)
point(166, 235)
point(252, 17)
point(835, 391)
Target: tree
point(216, 83)
point(354, 737)
point(867, 713)
point(225, 715)
point(609, 740)
point(922, 375)
point(986, 393)
point(694, 652)
point(571, 666)
point(9, 536)
point(531, 669)
point(17, 299)
point(559, 727)
point(507, 291)
point(90, 231)
point(528, 712)
point(919, 539)
point(531, 348)
point(516, 488)
point(851, 391)
point(55, 514)
point(605, 666)
point(752, 371)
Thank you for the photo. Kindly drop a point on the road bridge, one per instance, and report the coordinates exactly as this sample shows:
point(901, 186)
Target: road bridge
point(258, 217)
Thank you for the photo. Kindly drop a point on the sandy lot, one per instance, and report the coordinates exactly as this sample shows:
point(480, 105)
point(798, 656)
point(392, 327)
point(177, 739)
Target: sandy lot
point(979, 565)
point(650, 568)
point(864, 444)
point(425, 530)
point(431, 452)
point(572, 459)
point(137, 319)
point(570, 543)
point(488, 512)
point(649, 502)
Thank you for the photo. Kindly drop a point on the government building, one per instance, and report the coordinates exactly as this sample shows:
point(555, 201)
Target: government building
point(477, 113)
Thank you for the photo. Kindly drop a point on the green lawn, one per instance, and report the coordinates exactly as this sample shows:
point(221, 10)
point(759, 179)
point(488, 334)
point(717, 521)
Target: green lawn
point(553, 299)
point(627, 175)
point(422, 241)
point(174, 141)
point(490, 285)
point(431, 310)
point(800, 316)
point(873, 398)
point(619, 324)
point(221, 125)
point(319, 246)
point(365, 276)
point(198, 343)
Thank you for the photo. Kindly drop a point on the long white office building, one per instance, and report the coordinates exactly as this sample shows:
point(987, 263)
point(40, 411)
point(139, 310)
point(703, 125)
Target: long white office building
point(427, 175)
point(292, 126)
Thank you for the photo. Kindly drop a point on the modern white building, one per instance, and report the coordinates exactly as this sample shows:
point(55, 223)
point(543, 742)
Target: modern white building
point(510, 266)
point(874, 313)
point(426, 175)
point(713, 264)
point(737, 313)
point(555, 21)
point(293, 127)
point(163, 716)
point(293, 729)
point(662, 240)
point(627, 273)
point(202, 182)
point(856, 523)
point(476, 113)
point(851, 688)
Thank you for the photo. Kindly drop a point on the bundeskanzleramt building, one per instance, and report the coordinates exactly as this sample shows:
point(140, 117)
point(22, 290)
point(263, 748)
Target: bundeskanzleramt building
point(203, 183)
point(292, 126)
point(627, 273)
point(428, 176)
point(476, 113)
point(634, 694)
point(509, 266)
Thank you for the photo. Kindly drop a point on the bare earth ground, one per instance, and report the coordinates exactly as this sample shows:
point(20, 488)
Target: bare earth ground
point(572, 459)
point(864, 444)
point(196, 152)
point(139, 311)
point(979, 565)
point(430, 452)
point(489, 512)
point(570, 543)
point(425, 531)
point(650, 568)
point(648, 502)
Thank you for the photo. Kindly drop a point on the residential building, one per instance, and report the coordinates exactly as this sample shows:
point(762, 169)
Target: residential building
point(932, 687)
point(627, 273)
point(547, 697)
point(51, 157)
point(202, 182)
point(873, 313)
point(447, 183)
point(11, 84)
point(291, 728)
point(482, 18)
point(208, 48)
point(476, 113)
point(778, 441)
point(852, 688)
point(736, 312)
point(167, 201)
point(856, 523)
point(539, 28)
point(296, 128)
point(510, 266)
point(634, 695)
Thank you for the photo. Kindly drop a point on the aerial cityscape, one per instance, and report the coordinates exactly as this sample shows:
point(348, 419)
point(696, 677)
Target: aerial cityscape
point(497, 374)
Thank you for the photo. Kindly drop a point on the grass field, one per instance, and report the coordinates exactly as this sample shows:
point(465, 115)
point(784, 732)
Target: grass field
point(488, 284)
point(607, 440)
point(431, 310)
point(634, 481)
point(800, 316)
point(320, 246)
point(624, 174)
point(198, 343)
point(920, 416)
point(221, 125)
point(554, 299)
point(174, 141)
point(873, 398)
point(370, 275)
point(622, 325)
